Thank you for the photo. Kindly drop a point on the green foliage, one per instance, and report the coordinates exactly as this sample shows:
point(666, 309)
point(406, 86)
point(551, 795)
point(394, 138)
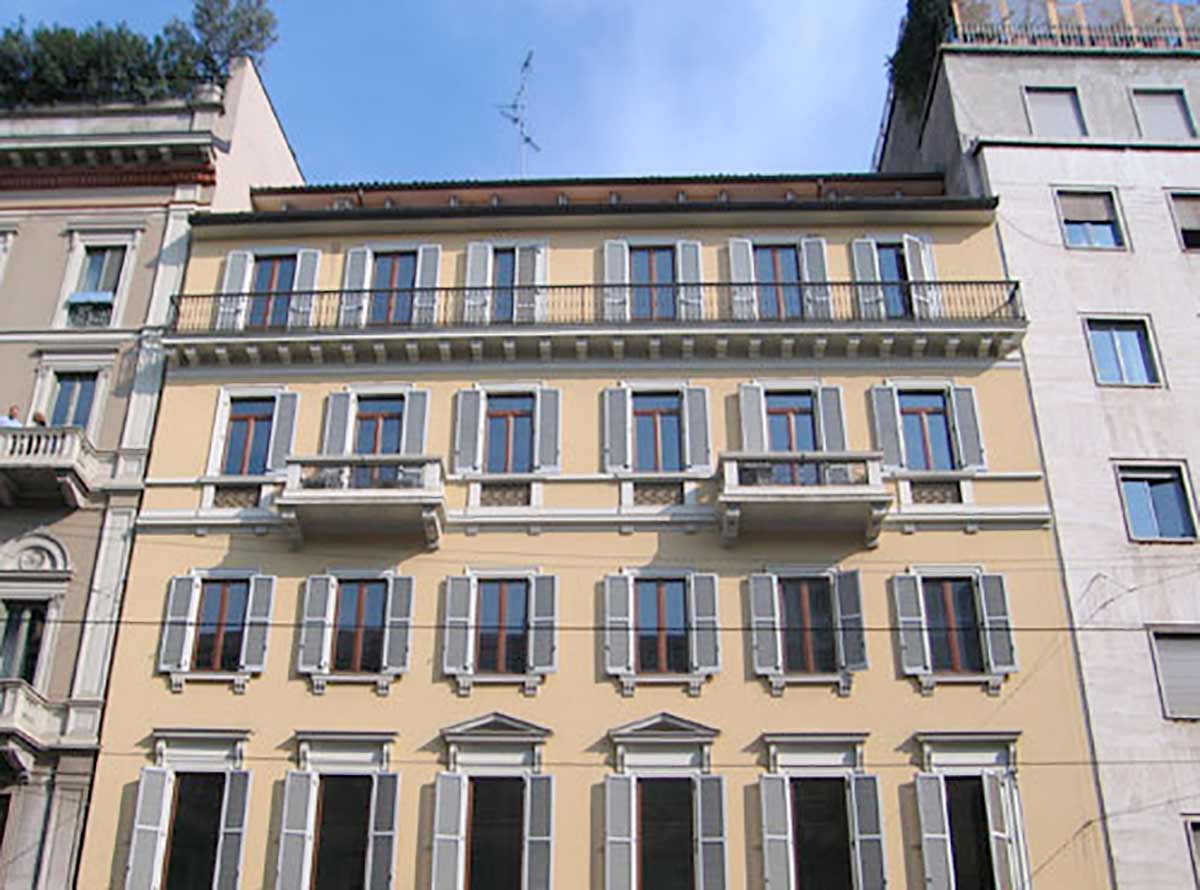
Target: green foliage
point(106, 63)
point(911, 66)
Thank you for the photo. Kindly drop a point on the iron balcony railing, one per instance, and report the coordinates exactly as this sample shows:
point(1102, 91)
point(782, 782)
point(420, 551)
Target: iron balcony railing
point(448, 308)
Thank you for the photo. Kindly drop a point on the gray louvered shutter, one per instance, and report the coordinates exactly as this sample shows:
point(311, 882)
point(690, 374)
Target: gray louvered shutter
point(866, 276)
point(752, 406)
point(283, 426)
point(352, 313)
point(775, 805)
point(234, 805)
point(741, 275)
point(460, 612)
point(764, 621)
point(397, 634)
point(966, 428)
point(618, 624)
point(699, 452)
point(416, 411)
point(528, 298)
point(539, 831)
point(997, 625)
point(885, 413)
point(616, 429)
point(910, 612)
point(867, 833)
point(935, 832)
point(818, 296)
point(620, 833)
point(316, 634)
point(467, 427)
point(833, 427)
point(999, 835)
point(175, 653)
point(852, 638)
point(543, 614)
point(150, 817)
point(337, 423)
point(923, 293)
point(616, 281)
point(709, 792)
point(258, 624)
point(549, 408)
point(478, 296)
point(1179, 673)
point(449, 831)
point(704, 627)
point(425, 297)
point(381, 851)
point(235, 283)
point(297, 830)
point(300, 305)
point(691, 294)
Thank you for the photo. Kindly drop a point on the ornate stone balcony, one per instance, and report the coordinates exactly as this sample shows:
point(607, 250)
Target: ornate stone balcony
point(55, 464)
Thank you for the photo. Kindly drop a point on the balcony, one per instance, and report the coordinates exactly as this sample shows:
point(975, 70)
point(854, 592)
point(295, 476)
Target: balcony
point(837, 492)
point(1150, 25)
point(814, 318)
point(345, 495)
point(49, 464)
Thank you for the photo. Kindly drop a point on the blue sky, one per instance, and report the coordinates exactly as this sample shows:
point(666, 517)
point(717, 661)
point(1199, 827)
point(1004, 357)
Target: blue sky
point(371, 90)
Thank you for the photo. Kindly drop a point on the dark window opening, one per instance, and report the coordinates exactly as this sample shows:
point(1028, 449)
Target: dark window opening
point(665, 854)
point(271, 299)
point(658, 432)
point(662, 629)
point(510, 434)
point(808, 625)
point(652, 273)
point(495, 841)
point(392, 288)
point(343, 832)
point(24, 627)
point(777, 271)
point(219, 625)
point(926, 424)
point(893, 272)
point(1187, 216)
point(503, 634)
point(822, 831)
point(195, 828)
point(92, 304)
point(953, 625)
point(970, 839)
point(504, 279)
point(358, 640)
point(248, 440)
point(73, 402)
point(379, 423)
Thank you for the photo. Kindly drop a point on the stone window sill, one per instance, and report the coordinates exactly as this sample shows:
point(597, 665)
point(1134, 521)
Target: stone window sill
point(236, 678)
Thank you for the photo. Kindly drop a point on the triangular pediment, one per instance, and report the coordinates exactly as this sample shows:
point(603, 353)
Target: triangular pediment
point(664, 725)
point(495, 725)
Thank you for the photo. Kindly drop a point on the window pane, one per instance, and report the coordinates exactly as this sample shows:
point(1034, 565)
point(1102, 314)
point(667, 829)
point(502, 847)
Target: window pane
point(114, 258)
point(1139, 508)
point(195, 828)
point(515, 603)
point(374, 609)
point(967, 639)
point(822, 830)
point(1162, 114)
point(260, 447)
point(93, 269)
point(1134, 345)
point(346, 621)
point(35, 618)
point(1104, 353)
point(1171, 509)
point(1077, 234)
point(675, 625)
point(939, 441)
point(671, 449)
point(342, 833)
point(914, 442)
point(235, 619)
point(489, 626)
point(235, 447)
point(497, 444)
point(522, 456)
point(644, 436)
point(779, 432)
point(648, 626)
point(969, 836)
point(665, 834)
point(496, 834)
point(937, 622)
point(807, 611)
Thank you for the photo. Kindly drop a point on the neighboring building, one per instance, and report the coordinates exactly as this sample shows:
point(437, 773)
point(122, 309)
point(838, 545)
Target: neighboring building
point(94, 210)
point(1081, 119)
point(663, 533)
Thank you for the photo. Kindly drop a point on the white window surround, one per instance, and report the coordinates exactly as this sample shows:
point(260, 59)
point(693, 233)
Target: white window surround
point(668, 386)
point(1179, 464)
point(84, 235)
point(45, 387)
point(213, 476)
point(809, 386)
point(7, 236)
point(475, 478)
point(343, 753)
point(663, 745)
point(964, 475)
point(1058, 188)
point(359, 391)
point(51, 590)
point(200, 750)
point(1174, 89)
point(1151, 338)
point(815, 754)
point(495, 745)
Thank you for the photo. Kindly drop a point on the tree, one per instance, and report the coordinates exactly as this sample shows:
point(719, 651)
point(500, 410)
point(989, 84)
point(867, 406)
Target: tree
point(223, 30)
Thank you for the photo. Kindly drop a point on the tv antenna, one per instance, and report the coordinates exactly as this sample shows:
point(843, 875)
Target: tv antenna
point(514, 113)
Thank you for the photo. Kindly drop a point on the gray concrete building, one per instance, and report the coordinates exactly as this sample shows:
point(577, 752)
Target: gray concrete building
point(1082, 118)
point(94, 231)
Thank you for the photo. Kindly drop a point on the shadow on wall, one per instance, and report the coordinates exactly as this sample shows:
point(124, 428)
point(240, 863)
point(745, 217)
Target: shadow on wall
point(124, 829)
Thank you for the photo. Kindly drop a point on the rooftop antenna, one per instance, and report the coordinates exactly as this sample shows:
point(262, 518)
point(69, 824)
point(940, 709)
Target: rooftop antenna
point(514, 113)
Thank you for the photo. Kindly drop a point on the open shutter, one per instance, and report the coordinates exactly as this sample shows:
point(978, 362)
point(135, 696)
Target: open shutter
point(699, 453)
point(300, 307)
point(764, 623)
point(620, 833)
point(352, 313)
point(425, 297)
point(691, 294)
point(775, 804)
point(549, 403)
point(935, 832)
point(539, 830)
point(529, 300)
point(336, 439)
point(153, 811)
point(478, 296)
point(617, 432)
point(966, 428)
point(542, 620)
point(381, 852)
point(867, 833)
point(752, 406)
point(233, 830)
point(449, 831)
point(297, 830)
point(468, 430)
point(175, 653)
point(235, 284)
point(397, 633)
point(866, 276)
point(616, 281)
point(885, 412)
point(460, 620)
point(416, 412)
point(316, 634)
point(258, 623)
point(703, 628)
point(283, 427)
point(997, 626)
point(923, 293)
point(833, 428)
point(618, 624)
point(709, 795)
point(1000, 835)
point(741, 275)
point(910, 612)
point(852, 639)
point(818, 296)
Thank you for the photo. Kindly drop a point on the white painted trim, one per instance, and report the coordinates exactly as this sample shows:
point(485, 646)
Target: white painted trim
point(7, 236)
point(84, 235)
point(45, 390)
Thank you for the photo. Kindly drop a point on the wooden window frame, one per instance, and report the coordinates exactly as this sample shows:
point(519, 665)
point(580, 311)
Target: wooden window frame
point(926, 438)
point(657, 414)
point(806, 593)
point(793, 468)
point(253, 422)
point(393, 289)
point(778, 285)
point(359, 586)
point(953, 626)
point(661, 649)
point(653, 285)
point(502, 632)
point(270, 297)
point(510, 416)
point(222, 623)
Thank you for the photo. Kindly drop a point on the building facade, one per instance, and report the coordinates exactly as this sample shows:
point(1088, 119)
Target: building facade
point(634, 533)
point(1080, 118)
point(94, 209)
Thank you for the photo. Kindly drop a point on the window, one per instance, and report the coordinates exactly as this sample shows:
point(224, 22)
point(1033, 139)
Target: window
point(1121, 352)
point(777, 271)
point(507, 432)
point(665, 852)
point(1187, 218)
point(926, 426)
point(342, 832)
point(73, 399)
point(933, 427)
point(1090, 219)
point(658, 432)
point(1054, 112)
point(219, 626)
point(379, 424)
point(894, 277)
point(191, 856)
point(495, 834)
point(662, 627)
point(503, 626)
point(1178, 659)
point(24, 628)
point(1193, 830)
point(969, 838)
point(392, 285)
point(792, 426)
point(822, 847)
point(953, 626)
point(893, 272)
point(807, 613)
point(1163, 114)
point(360, 623)
point(1156, 504)
point(510, 433)
point(91, 304)
point(504, 279)
point(652, 275)
point(248, 440)
point(271, 291)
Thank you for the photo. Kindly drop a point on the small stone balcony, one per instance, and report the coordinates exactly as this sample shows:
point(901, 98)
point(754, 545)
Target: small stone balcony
point(56, 465)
